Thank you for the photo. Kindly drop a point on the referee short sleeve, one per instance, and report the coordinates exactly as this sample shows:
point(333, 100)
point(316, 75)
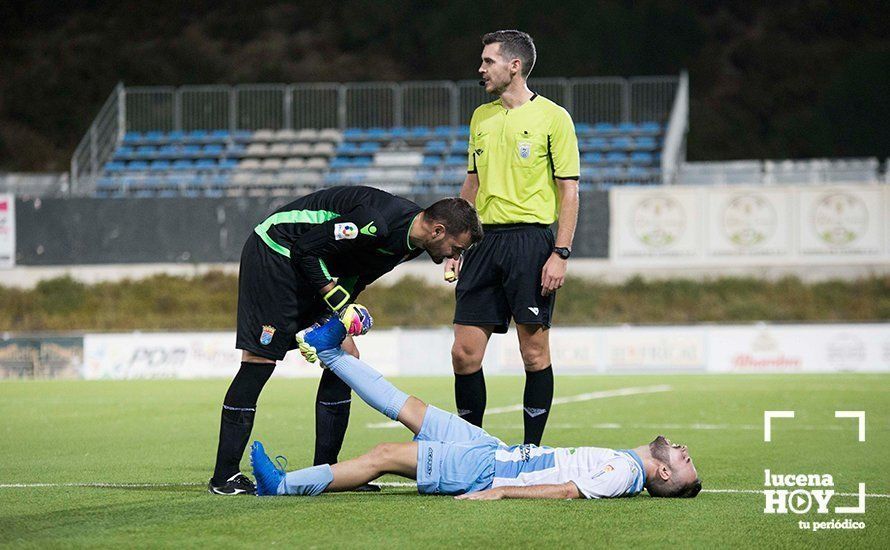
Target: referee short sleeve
point(471, 148)
point(564, 146)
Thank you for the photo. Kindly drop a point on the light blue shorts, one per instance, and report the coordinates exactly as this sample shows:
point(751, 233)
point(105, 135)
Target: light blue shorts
point(453, 456)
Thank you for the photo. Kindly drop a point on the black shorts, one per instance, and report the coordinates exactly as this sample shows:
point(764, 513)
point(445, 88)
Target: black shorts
point(274, 303)
point(500, 278)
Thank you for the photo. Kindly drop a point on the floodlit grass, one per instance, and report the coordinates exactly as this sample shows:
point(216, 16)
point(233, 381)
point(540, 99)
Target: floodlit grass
point(164, 432)
point(209, 302)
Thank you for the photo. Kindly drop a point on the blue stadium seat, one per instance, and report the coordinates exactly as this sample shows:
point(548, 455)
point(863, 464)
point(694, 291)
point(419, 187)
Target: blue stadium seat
point(124, 152)
point(436, 147)
point(160, 165)
point(196, 135)
point(132, 137)
point(220, 135)
point(432, 160)
point(227, 164)
point(369, 147)
point(213, 149)
point(646, 143)
point(182, 164)
point(459, 147)
point(454, 160)
point(205, 164)
point(463, 130)
point(641, 157)
point(362, 161)
point(616, 157)
point(353, 133)
point(603, 128)
point(597, 144)
point(420, 132)
point(622, 143)
point(146, 151)
point(137, 165)
point(154, 137)
point(115, 166)
point(189, 150)
point(175, 135)
point(444, 131)
point(340, 162)
point(242, 135)
point(347, 148)
point(627, 128)
point(398, 132)
point(583, 128)
point(649, 128)
point(376, 132)
point(593, 158)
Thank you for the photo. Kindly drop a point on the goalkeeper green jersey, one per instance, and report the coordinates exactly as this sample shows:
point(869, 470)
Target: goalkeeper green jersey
point(518, 154)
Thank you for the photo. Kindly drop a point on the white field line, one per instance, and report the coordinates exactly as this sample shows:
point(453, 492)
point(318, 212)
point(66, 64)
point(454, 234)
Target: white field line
point(696, 426)
point(382, 484)
point(620, 392)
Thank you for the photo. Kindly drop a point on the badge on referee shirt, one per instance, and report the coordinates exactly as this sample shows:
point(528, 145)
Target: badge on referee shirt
point(525, 149)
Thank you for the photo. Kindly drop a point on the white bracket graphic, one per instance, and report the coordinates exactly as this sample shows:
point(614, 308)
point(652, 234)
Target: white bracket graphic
point(767, 418)
point(854, 509)
point(854, 414)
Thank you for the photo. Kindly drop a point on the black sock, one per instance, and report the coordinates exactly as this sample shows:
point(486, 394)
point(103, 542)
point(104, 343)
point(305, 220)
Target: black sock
point(239, 408)
point(331, 417)
point(469, 396)
point(536, 403)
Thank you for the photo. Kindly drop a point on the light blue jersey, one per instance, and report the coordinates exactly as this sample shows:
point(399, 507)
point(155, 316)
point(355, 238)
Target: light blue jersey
point(598, 473)
point(455, 457)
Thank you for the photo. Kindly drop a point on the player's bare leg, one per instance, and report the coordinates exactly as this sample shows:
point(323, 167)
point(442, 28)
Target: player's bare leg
point(385, 458)
point(469, 381)
point(534, 346)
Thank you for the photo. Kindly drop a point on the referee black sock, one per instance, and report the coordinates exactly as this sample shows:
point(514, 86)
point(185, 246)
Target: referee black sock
point(331, 417)
point(239, 409)
point(469, 396)
point(536, 402)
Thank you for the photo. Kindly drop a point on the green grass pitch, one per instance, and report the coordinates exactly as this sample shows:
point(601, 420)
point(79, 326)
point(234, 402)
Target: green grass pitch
point(163, 433)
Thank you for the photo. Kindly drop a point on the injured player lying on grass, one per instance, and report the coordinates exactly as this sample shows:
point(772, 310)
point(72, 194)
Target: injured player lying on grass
point(453, 457)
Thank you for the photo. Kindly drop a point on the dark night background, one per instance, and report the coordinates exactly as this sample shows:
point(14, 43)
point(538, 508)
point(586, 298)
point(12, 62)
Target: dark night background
point(769, 80)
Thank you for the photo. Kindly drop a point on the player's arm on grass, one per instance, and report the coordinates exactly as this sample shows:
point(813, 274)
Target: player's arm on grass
point(566, 172)
point(565, 490)
point(359, 227)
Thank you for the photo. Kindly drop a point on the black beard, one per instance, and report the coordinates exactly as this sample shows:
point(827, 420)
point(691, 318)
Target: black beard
point(661, 450)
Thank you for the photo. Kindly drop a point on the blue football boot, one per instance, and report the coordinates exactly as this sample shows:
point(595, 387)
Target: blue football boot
point(319, 338)
point(268, 477)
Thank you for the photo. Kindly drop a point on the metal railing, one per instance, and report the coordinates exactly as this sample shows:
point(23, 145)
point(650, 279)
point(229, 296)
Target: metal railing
point(333, 105)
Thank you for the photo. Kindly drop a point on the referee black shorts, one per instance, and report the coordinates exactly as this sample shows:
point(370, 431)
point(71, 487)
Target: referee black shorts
point(500, 278)
point(274, 303)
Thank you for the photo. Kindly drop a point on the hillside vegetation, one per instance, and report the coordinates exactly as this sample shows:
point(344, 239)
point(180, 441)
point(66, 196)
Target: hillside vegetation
point(209, 303)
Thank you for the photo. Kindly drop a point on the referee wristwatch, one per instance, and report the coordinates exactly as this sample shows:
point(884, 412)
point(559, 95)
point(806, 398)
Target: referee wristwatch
point(563, 252)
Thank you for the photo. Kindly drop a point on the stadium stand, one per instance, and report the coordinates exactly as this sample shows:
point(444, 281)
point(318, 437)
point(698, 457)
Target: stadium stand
point(214, 163)
point(285, 139)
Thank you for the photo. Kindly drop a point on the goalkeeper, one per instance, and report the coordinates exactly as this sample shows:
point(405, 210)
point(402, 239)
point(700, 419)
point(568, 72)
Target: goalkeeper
point(453, 457)
point(312, 256)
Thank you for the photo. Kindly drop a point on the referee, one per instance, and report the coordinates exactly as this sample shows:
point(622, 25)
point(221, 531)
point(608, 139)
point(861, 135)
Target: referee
point(523, 170)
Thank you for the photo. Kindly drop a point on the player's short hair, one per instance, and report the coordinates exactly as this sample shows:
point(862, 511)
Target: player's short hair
point(659, 488)
point(457, 215)
point(514, 44)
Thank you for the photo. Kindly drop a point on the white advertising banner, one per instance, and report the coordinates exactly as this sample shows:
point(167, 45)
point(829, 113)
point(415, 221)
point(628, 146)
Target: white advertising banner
point(748, 226)
point(837, 221)
point(749, 222)
point(574, 350)
point(7, 230)
point(652, 223)
point(800, 348)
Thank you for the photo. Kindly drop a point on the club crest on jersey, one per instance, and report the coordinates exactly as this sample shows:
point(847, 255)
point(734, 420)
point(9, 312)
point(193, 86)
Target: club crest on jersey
point(345, 230)
point(525, 149)
point(266, 336)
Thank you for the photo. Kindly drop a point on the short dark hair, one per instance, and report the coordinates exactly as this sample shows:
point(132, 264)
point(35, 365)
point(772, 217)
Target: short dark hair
point(457, 215)
point(516, 44)
point(668, 490)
